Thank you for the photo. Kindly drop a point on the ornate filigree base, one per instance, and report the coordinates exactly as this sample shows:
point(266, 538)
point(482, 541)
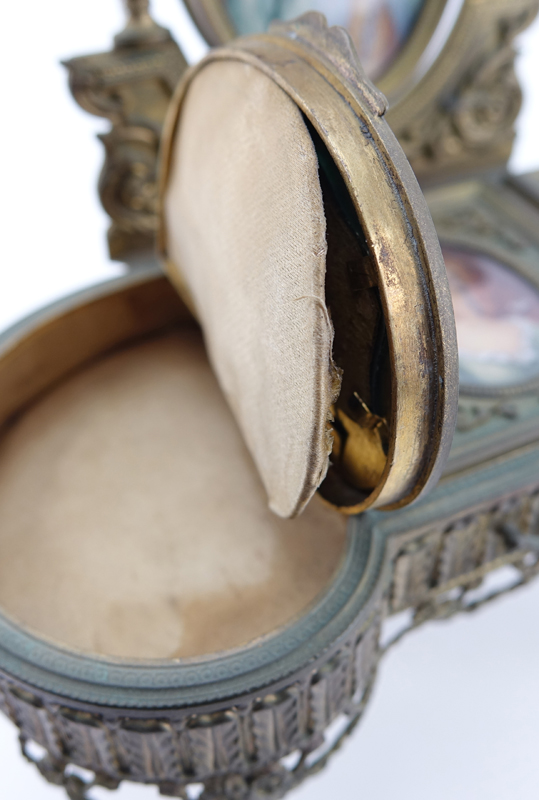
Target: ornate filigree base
point(263, 745)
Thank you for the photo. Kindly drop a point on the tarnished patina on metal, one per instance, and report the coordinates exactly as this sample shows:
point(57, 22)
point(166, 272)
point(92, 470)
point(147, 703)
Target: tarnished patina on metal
point(458, 118)
point(452, 90)
point(453, 99)
point(131, 86)
point(264, 727)
point(317, 67)
point(434, 577)
point(429, 561)
point(241, 751)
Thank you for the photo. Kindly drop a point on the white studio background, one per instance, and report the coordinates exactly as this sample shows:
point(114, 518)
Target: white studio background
point(455, 712)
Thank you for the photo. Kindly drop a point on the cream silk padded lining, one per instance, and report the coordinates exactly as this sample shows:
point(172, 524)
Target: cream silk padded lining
point(132, 520)
point(246, 229)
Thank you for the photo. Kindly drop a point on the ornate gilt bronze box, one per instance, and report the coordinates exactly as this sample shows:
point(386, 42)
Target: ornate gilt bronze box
point(182, 634)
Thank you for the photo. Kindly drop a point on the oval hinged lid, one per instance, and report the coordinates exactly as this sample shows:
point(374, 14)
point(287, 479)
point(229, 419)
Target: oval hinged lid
point(293, 222)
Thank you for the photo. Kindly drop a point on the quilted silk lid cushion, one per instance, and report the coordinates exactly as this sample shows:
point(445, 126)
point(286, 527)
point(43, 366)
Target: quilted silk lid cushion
point(246, 234)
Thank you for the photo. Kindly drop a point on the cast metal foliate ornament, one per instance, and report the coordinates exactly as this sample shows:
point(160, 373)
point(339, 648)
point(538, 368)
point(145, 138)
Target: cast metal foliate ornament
point(131, 86)
point(316, 65)
point(429, 561)
point(453, 94)
point(455, 118)
point(448, 124)
point(334, 45)
point(237, 752)
point(458, 119)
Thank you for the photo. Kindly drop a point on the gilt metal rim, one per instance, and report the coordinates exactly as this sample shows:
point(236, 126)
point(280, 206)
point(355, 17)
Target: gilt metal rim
point(317, 67)
point(105, 314)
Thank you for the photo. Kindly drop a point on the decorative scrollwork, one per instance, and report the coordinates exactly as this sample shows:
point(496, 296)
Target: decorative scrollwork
point(489, 100)
point(131, 86)
point(469, 123)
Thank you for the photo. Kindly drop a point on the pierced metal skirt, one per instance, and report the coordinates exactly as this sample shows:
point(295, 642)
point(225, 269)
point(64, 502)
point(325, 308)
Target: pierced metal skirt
point(255, 720)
